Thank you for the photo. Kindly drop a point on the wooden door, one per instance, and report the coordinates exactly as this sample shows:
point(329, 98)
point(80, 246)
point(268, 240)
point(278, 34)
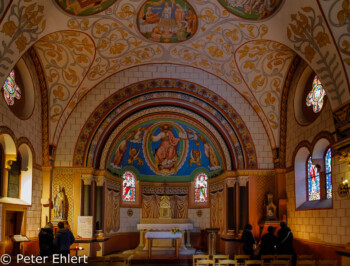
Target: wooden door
point(10, 230)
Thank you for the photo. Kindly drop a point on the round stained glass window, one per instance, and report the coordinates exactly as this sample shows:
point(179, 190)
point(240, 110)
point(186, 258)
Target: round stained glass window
point(315, 98)
point(11, 89)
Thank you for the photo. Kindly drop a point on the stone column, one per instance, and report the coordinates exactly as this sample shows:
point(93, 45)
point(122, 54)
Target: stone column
point(87, 179)
point(243, 202)
point(188, 239)
point(46, 195)
point(142, 244)
point(99, 200)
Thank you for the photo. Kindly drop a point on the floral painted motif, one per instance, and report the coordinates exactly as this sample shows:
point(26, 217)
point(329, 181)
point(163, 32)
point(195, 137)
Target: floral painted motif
point(310, 37)
point(201, 188)
point(11, 89)
point(129, 187)
point(167, 21)
point(316, 96)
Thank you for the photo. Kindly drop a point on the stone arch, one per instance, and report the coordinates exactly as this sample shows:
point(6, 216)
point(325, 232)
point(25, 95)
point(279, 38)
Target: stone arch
point(225, 111)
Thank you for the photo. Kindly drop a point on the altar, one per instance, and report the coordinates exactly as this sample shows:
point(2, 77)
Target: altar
point(150, 236)
point(164, 225)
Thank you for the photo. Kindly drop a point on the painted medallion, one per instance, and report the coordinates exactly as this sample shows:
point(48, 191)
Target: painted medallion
point(84, 7)
point(167, 21)
point(251, 9)
point(164, 148)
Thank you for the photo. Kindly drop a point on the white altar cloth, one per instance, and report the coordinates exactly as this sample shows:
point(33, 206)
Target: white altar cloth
point(163, 235)
point(164, 227)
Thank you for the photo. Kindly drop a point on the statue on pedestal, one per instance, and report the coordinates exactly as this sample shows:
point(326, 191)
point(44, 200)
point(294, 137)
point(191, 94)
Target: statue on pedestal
point(59, 205)
point(165, 207)
point(271, 214)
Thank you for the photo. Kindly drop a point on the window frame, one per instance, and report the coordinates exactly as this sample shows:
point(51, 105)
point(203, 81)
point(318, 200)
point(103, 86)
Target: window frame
point(325, 169)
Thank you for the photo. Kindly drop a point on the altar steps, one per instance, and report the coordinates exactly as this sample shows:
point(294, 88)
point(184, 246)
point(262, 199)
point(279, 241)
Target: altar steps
point(163, 259)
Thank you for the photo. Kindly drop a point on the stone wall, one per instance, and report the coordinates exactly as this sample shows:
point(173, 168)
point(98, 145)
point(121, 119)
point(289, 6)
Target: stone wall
point(199, 222)
point(129, 223)
point(34, 212)
point(329, 226)
point(31, 130)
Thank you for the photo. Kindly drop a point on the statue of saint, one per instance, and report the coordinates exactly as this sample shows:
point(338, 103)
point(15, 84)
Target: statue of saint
point(59, 204)
point(271, 213)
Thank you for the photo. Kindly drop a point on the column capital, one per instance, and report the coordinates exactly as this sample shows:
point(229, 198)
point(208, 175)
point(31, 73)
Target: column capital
point(87, 179)
point(9, 159)
point(243, 180)
point(99, 180)
point(231, 181)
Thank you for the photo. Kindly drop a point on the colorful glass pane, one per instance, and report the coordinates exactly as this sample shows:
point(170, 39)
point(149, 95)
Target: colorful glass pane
point(129, 187)
point(316, 96)
point(328, 163)
point(313, 181)
point(201, 188)
point(11, 89)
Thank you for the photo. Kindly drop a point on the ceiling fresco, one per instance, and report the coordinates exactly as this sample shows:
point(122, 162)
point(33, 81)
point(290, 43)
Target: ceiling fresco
point(67, 56)
point(337, 15)
point(97, 39)
point(168, 22)
point(262, 64)
point(92, 144)
point(251, 9)
point(164, 147)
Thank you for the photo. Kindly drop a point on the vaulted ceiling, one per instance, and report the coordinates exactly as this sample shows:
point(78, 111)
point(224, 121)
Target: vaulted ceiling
point(248, 44)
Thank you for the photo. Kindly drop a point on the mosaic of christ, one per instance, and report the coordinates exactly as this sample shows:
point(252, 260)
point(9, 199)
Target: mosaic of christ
point(167, 20)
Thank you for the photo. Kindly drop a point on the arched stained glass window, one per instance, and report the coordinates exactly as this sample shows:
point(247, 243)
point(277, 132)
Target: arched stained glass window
point(313, 181)
point(201, 188)
point(129, 187)
point(328, 163)
point(315, 98)
point(11, 89)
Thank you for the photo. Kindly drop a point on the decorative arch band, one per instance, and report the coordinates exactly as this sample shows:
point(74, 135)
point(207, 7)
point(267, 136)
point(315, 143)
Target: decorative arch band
point(229, 123)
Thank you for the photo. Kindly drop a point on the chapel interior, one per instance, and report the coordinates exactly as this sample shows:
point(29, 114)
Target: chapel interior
point(122, 118)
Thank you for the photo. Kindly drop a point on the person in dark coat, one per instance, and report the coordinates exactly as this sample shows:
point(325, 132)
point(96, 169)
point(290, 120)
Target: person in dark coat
point(63, 240)
point(268, 242)
point(248, 240)
point(285, 240)
point(46, 240)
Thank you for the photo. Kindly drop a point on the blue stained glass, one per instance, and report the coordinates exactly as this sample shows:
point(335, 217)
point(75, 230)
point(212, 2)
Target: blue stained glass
point(328, 163)
point(313, 181)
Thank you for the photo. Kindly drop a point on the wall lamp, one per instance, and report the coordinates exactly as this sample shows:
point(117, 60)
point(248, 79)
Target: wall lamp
point(343, 189)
